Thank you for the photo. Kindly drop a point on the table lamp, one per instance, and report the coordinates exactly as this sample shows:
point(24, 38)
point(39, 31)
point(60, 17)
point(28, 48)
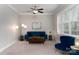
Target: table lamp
point(21, 35)
point(77, 42)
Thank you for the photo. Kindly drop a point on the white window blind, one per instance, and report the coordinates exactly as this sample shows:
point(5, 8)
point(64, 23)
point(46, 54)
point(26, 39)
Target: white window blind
point(68, 21)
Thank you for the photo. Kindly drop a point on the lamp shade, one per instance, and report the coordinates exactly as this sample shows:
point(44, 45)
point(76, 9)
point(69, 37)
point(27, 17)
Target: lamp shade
point(77, 42)
point(35, 11)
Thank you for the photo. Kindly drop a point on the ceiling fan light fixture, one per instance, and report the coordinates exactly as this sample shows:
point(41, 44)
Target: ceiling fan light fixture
point(35, 11)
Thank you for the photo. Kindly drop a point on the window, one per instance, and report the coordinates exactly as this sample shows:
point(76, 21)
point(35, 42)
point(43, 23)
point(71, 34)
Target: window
point(75, 28)
point(68, 21)
point(66, 28)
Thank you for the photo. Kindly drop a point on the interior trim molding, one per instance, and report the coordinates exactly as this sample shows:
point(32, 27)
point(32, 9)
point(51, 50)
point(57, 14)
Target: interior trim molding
point(36, 14)
point(2, 49)
point(10, 6)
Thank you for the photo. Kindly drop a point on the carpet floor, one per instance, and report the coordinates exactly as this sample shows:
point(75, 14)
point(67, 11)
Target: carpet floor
point(24, 48)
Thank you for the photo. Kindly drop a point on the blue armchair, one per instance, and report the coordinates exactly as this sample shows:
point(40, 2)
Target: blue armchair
point(66, 42)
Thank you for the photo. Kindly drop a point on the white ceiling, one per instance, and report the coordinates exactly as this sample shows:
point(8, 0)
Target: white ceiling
point(24, 8)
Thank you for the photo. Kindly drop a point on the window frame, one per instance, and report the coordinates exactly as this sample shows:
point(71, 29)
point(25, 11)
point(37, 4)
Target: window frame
point(60, 30)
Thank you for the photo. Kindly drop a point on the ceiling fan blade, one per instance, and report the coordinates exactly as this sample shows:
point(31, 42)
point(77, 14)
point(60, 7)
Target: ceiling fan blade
point(28, 11)
point(32, 8)
point(40, 11)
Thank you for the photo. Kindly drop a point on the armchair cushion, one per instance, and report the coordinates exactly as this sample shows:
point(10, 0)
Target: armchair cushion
point(61, 47)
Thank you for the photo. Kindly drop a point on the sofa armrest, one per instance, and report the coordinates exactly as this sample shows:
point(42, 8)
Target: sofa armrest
point(26, 36)
point(45, 36)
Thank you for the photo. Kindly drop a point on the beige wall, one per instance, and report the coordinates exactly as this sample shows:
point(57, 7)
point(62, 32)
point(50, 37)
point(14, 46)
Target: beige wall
point(8, 21)
point(48, 23)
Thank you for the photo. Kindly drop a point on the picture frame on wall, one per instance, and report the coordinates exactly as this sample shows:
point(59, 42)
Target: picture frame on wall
point(36, 25)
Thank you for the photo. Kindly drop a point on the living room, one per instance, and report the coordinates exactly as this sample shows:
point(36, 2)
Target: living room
point(40, 27)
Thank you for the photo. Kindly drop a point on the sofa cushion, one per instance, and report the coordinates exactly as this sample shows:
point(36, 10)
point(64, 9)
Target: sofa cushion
point(37, 33)
point(39, 37)
point(36, 39)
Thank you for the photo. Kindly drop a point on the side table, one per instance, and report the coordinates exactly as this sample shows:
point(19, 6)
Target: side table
point(21, 38)
point(74, 51)
point(75, 47)
point(50, 37)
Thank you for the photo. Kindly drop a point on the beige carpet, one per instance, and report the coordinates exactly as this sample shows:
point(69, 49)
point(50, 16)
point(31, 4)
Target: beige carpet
point(24, 48)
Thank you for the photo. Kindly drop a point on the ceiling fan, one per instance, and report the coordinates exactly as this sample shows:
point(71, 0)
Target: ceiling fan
point(36, 10)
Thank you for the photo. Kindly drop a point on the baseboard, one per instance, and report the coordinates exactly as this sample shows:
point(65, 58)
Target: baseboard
point(2, 49)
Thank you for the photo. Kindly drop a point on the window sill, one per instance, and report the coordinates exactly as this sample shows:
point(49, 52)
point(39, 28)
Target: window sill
point(69, 35)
